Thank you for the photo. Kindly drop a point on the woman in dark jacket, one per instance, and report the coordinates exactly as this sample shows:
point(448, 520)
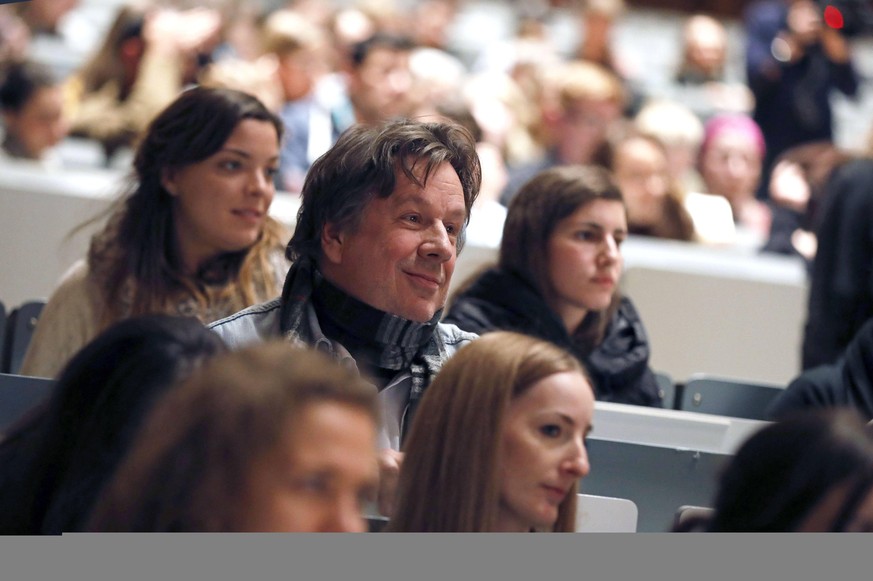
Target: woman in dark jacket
point(557, 279)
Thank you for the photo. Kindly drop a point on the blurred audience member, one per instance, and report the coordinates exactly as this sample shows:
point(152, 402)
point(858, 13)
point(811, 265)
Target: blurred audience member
point(581, 103)
point(640, 168)
point(515, 467)
point(31, 101)
point(192, 235)
point(379, 81)
point(148, 55)
point(57, 460)
point(346, 26)
point(841, 285)
point(44, 16)
point(14, 36)
point(431, 21)
point(437, 76)
point(798, 185)
point(598, 21)
point(681, 132)
point(793, 64)
point(256, 77)
point(488, 214)
point(507, 118)
point(703, 73)
point(299, 49)
point(704, 50)
point(271, 438)
point(558, 279)
point(731, 156)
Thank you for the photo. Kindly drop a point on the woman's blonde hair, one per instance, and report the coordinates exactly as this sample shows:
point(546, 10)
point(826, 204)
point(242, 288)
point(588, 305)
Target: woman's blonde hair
point(450, 481)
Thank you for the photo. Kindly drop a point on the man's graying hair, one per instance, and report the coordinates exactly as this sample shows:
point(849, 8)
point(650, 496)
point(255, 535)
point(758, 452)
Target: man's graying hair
point(362, 165)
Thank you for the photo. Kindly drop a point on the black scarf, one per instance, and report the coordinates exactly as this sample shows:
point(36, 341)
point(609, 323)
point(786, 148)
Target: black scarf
point(393, 342)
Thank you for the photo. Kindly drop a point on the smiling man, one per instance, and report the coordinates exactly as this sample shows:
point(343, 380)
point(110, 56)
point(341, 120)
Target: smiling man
point(380, 227)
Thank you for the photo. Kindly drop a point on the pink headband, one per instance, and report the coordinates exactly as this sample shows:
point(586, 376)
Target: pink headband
point(740, 123)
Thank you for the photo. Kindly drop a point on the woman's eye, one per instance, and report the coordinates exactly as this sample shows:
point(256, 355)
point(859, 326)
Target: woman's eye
point(271, 172)
point(586, 235)
point(231, 165)
point(551, 430)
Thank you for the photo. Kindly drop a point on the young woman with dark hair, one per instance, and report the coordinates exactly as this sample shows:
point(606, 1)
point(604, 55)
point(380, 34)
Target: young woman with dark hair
point(557, 279)
point(193, 235)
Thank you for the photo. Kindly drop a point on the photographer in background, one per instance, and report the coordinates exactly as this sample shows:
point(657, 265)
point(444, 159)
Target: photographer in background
point(795, 57)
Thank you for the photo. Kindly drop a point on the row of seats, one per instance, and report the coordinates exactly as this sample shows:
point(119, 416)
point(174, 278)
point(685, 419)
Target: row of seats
point(16, 329)
point(594, 514)
point(18, 393)
point(646, 462)
point(722, 396)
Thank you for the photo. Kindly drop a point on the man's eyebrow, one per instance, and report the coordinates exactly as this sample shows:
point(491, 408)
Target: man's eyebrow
point(416, 199)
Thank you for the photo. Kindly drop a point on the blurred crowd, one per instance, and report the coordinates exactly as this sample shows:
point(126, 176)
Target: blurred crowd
point(403, 145)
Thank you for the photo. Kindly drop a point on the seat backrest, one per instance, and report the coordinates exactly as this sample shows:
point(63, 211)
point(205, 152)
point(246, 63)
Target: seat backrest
point(728, 397)
point(657, 479)
point(690, 518)
point(376, 523)
point(2, 334)
point(19, 394)
point(605, 514)
point(20, 326)
point(666, 389)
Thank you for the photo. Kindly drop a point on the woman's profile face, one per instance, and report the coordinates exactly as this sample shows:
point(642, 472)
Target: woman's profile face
point(319, 476)
point(543, 450)
point(641, 171)
point(221, 203)
point(584, 259)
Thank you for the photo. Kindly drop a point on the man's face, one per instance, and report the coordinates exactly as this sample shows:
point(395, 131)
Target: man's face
point(381, 86)
point(401, 256)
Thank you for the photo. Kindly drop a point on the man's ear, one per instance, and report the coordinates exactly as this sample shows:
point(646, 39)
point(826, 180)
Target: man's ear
point(168, 181)
point(332, 240)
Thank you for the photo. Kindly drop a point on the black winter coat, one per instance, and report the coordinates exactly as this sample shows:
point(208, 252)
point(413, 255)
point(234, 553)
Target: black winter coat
point(618, 366)
point(841, 286)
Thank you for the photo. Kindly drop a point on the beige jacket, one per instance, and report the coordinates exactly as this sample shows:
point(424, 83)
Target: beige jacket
point(72, 317)
point(69, 320)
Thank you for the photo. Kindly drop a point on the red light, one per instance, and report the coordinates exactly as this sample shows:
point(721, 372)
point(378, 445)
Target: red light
point(833, 17)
